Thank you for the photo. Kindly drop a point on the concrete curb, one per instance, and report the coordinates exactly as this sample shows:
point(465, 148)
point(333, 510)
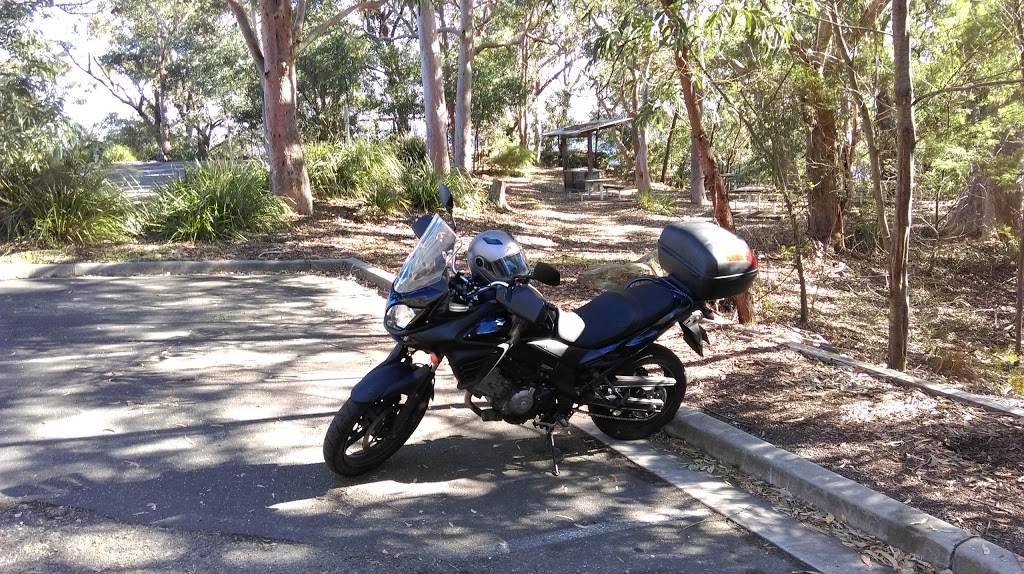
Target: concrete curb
point(936, 541)
point(905, 379)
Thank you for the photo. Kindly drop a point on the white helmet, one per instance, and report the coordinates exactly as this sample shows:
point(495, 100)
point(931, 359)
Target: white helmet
point(496, 256)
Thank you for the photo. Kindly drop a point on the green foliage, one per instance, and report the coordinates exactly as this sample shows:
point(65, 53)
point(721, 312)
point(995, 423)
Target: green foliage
point(118, 153)
point(67, 201)
point(218, 201)
point(513, 160)
point(411, 150)
point(420, 184)
point(353, 171)
point(332, 75)
point(656, 203)
point(383, 197)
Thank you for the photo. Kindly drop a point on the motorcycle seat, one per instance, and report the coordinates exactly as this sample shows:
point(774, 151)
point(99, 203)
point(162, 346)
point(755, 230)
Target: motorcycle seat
point(614, 315)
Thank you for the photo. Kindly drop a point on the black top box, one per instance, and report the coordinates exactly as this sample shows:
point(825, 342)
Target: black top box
point(707, 261)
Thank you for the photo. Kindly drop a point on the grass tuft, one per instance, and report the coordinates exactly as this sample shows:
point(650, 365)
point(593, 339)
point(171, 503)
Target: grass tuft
point(217, 201)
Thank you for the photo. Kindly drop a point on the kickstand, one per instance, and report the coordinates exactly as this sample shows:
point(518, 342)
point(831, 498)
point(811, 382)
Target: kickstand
point(554, 452)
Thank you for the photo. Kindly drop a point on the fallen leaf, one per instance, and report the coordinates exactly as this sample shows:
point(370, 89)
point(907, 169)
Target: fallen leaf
point(867, 561)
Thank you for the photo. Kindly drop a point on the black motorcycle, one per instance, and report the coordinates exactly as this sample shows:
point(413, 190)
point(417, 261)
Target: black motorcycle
point(523, 356)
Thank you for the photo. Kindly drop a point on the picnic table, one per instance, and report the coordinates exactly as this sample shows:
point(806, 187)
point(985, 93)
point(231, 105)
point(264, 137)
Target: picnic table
point(596, 182)
point(750, 191)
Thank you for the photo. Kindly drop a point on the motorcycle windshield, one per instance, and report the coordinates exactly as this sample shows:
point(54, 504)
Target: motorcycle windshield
point(429, 260)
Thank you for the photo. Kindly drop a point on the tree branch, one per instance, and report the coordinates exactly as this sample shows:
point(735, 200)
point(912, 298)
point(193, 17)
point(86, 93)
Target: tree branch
point(301, 45)
point(298, 18)
point(245, 25)
point(965, 88)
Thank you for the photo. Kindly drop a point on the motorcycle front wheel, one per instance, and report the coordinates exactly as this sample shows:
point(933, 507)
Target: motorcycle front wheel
point(363, 435)
point(632, 425)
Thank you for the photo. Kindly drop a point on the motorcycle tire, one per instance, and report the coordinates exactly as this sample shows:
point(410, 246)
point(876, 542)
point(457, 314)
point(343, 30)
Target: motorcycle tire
point(361, 436)
point(654, 361)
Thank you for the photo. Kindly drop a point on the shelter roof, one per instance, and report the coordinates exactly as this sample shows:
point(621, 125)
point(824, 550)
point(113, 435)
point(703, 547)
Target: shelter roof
point(583, 129)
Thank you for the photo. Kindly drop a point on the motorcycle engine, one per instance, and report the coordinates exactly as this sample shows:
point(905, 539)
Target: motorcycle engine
point(517, 399)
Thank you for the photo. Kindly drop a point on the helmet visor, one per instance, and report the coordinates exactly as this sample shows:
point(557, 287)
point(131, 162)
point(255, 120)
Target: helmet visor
point(511, 266)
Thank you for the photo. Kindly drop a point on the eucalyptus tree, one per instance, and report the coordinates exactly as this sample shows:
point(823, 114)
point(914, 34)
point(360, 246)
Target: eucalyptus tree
point(810, 29)
point(633, 67)
point(275, 50)
point(208, 86)
point(147, 40)
point(971, 113)
point(685, 45)
point(906, 140)
point(434, 107)
point(389, 32)
point(486, 25)
point(333, 75)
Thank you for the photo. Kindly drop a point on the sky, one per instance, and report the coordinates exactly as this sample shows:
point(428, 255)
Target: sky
point(84, 101)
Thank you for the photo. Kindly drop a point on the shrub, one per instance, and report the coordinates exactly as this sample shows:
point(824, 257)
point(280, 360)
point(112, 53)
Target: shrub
point(117, 152)
point(353, 170)
point(513, 160)
point(65, 201)
point(421, 183)
point(321, 164)
point(383, 197)
point(411, 150)
point(218, 201)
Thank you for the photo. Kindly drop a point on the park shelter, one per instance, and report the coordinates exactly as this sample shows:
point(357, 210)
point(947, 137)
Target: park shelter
point(586, 130)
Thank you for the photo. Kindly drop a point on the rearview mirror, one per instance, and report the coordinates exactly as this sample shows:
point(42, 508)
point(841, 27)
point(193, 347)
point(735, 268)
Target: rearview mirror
point(419, 227)
point(447, 200)
point(547, 274)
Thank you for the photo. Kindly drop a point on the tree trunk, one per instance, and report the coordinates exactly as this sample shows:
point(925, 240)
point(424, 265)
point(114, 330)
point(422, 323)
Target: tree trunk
point(906, 141)
point(868, 128)
point(668, 145)
point(697, 190)
point(464, 90)
point(723, 214)
point(434, 107)
point(288, 176)
point(824, 201)
point(641, 171)
point(985, 204)
point(496, 195)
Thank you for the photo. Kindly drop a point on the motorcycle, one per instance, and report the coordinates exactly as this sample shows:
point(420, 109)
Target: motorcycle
point(524, 357)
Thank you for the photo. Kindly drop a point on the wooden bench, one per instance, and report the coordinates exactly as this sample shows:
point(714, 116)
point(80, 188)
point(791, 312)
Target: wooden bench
point(596, 182)
point(750, 191)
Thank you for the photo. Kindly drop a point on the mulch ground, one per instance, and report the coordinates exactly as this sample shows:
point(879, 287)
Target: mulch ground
point(962, 464)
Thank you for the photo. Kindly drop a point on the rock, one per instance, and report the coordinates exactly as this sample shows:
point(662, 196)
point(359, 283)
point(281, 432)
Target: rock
point(616, 275)
point(651, 260)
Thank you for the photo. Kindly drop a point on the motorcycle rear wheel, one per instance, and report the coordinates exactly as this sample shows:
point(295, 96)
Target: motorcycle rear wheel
point(363, 435)
point(655, 361)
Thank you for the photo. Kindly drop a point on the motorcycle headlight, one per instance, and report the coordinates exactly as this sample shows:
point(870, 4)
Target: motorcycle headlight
point(399, 316)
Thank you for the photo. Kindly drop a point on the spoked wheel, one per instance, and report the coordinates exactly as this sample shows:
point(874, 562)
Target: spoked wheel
point(656, 361)
point(363, 435)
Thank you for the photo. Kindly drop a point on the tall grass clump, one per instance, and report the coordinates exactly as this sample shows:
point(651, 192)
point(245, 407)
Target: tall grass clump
point(354, 170)
point(321, 164)
point(421, 183)
point(512, 160)
point(216, 201)
point(411, 150)
point(65, 200)
point(656, 203)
